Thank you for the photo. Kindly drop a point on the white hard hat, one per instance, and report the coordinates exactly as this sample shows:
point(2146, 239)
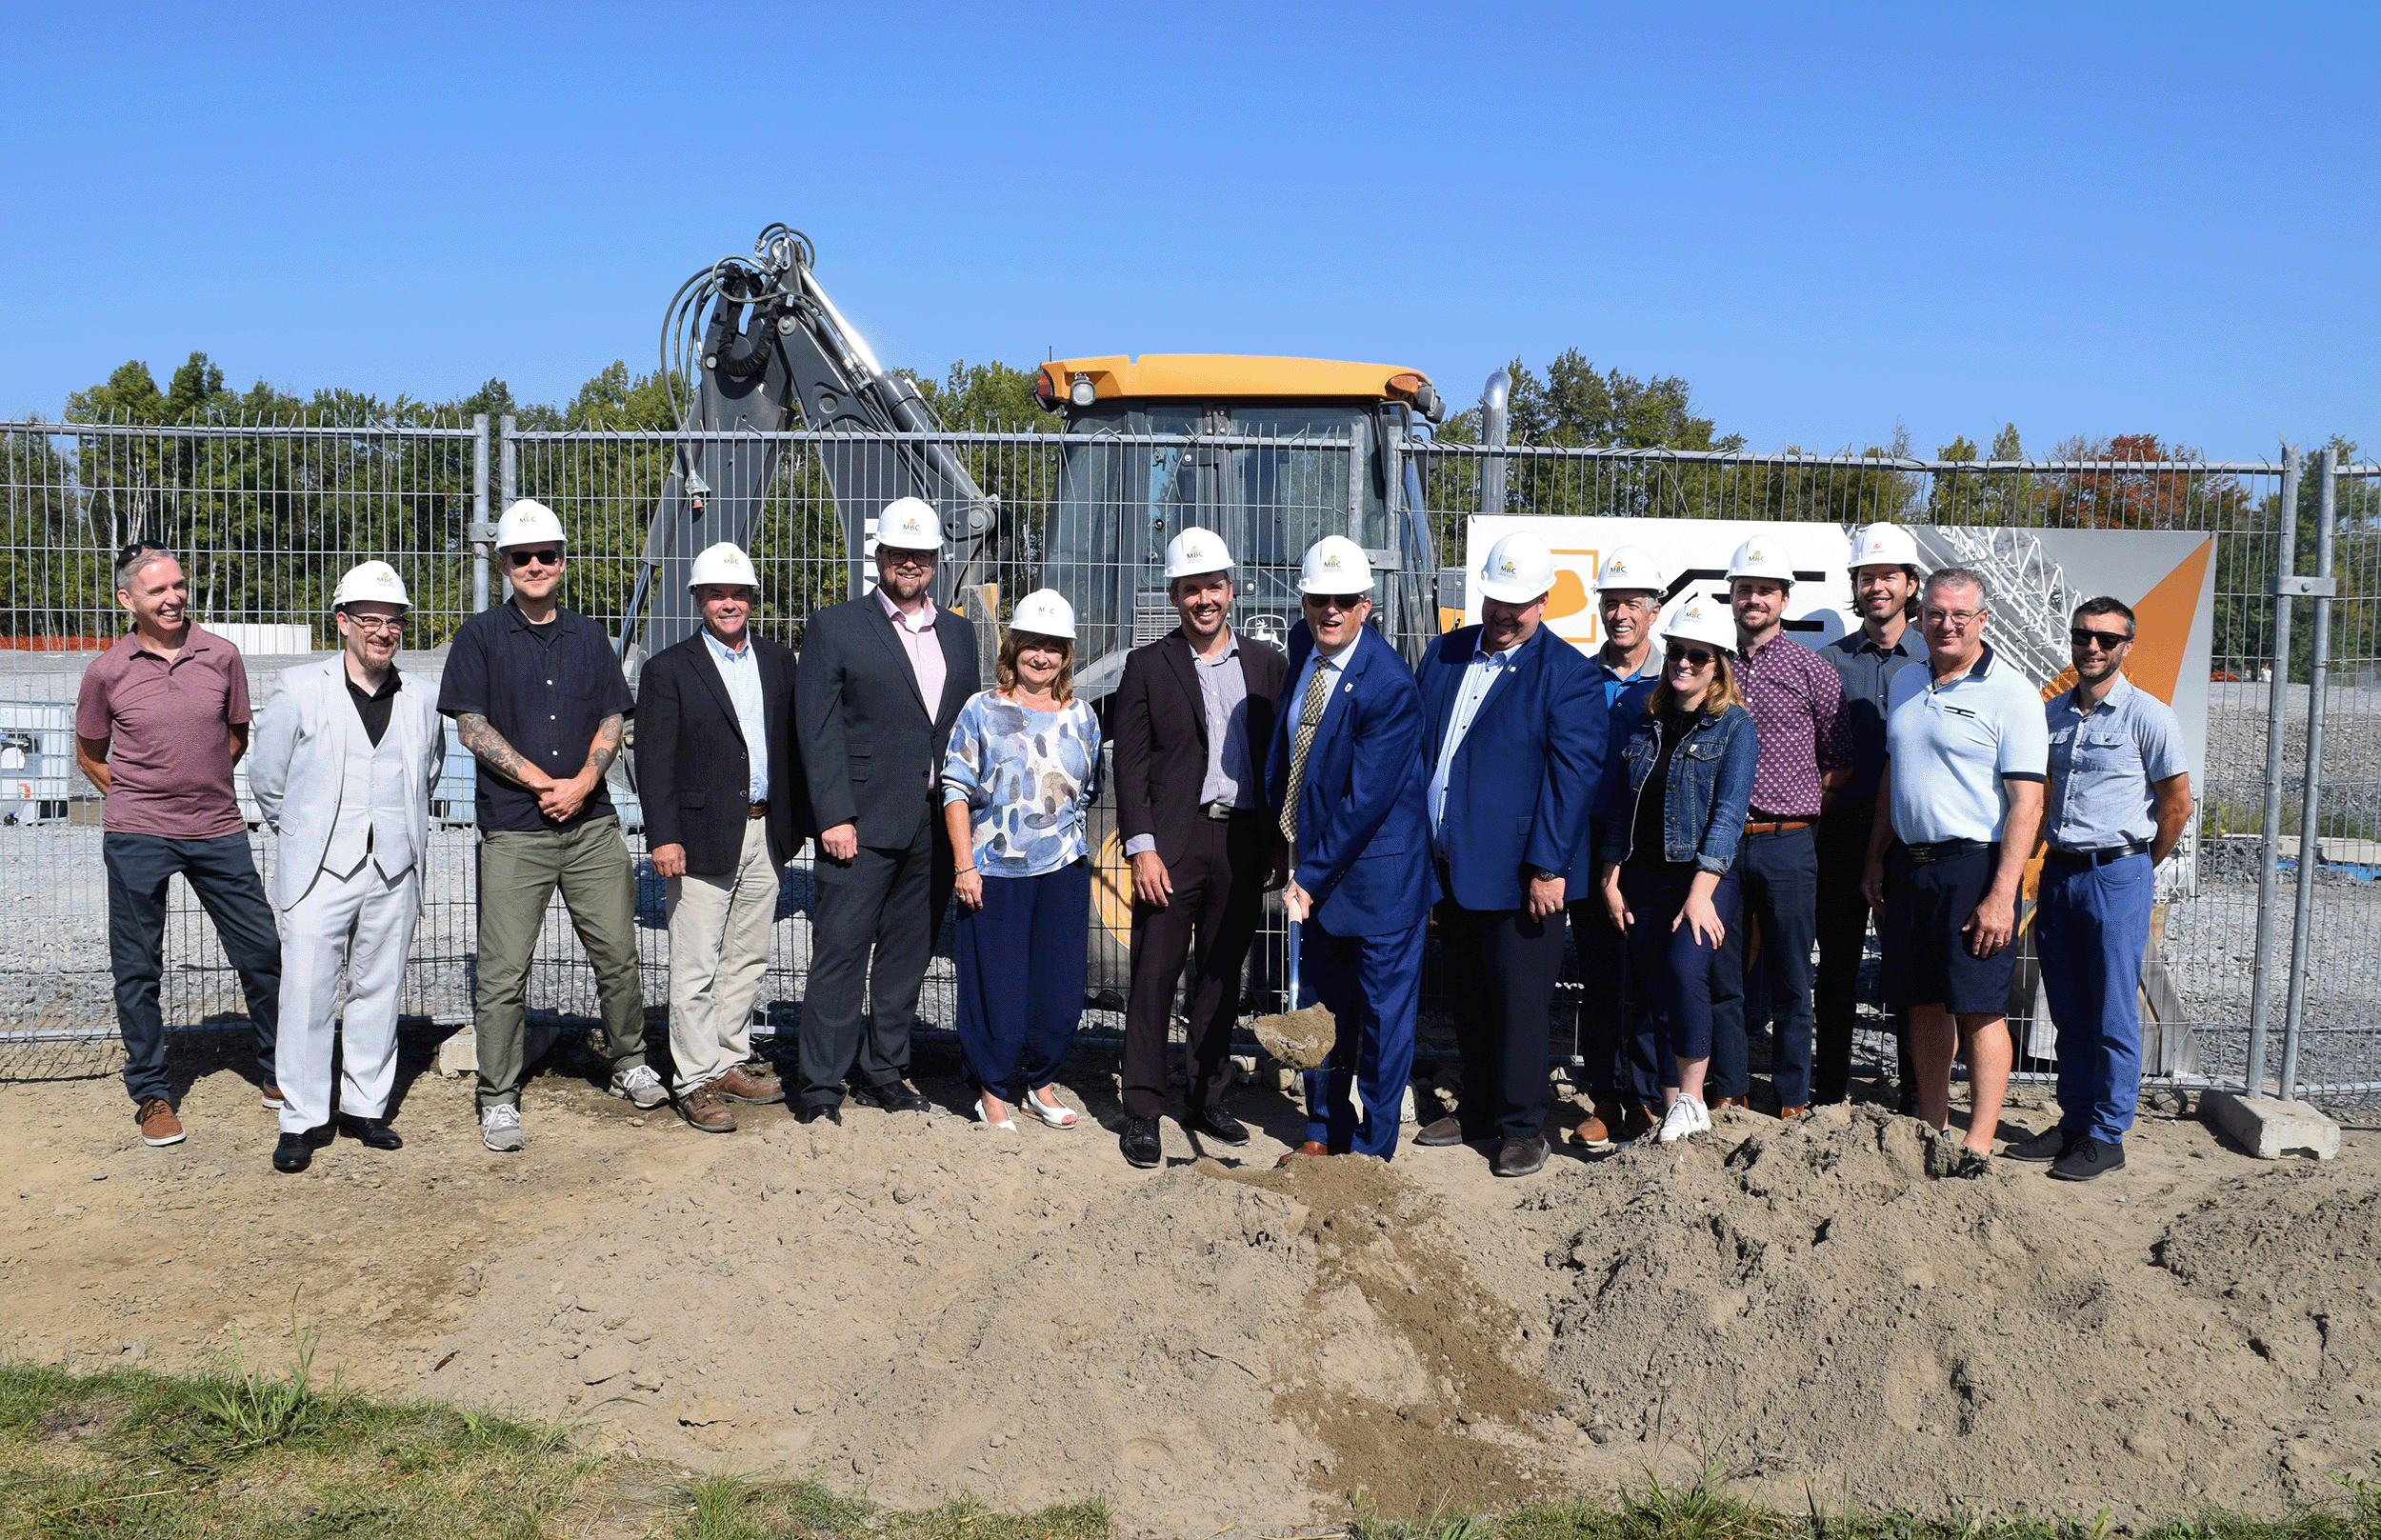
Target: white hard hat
point(1195, 551)
point(1882, 544)
point(1336, 564)
point(1519, 569)
point(1762, 557)
point(528, 523)
point(723, 563)
point(1633, 567)
point(370, 583)
point(1703, 619)
point(1044, 613)
point(909, 524)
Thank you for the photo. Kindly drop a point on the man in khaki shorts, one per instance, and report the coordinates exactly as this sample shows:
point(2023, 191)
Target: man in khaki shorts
point(721, 781)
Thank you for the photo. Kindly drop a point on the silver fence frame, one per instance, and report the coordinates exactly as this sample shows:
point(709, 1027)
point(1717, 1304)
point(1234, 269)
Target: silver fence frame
point(288, 507)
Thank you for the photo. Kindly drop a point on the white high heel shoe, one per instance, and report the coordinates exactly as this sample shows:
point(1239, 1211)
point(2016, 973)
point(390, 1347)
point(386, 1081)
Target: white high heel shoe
point(1010, 1124)
point(1057, 1116)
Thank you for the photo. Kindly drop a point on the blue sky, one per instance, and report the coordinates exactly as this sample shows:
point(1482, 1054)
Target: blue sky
point(1829, 219)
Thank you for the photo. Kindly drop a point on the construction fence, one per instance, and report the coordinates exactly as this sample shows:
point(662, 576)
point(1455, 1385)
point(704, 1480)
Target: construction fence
point(2280, 868)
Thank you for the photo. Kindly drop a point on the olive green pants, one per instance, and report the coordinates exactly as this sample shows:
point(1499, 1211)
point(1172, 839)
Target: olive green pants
point(518, 873)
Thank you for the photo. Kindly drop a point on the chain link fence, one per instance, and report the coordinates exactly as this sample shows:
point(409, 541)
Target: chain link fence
point(267, 518)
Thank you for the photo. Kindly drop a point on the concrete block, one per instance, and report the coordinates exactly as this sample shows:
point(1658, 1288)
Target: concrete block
point(459, 1054)
point(2271, 1130)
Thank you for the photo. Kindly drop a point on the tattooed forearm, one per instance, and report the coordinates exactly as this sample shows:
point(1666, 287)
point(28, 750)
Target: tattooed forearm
point(489, 746)
point(607, 745)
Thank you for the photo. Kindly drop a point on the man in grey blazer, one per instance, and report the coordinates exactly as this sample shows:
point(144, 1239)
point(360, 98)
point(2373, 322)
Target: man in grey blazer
point(882, 679)
point(343, 765)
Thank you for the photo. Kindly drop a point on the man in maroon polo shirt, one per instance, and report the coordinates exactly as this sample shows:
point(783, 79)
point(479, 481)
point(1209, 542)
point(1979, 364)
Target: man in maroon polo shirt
point(162, 717)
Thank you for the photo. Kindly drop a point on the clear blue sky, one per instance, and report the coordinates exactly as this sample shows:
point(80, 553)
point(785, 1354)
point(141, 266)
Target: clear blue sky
point(2084, 219)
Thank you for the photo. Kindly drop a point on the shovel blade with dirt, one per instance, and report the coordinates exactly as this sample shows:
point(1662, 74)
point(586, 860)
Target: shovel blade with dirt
point(1300, 1039)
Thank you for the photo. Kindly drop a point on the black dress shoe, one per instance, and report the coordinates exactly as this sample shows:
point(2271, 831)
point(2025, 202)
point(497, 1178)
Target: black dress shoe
point(371, 1132)
point(2088, 1159)
point(1216, 1124)
point(2043, 1147)
point(1521, 1157)
point(296, 1151)
point(1139, 1142)
point(892, 1096)
point(810, 1112)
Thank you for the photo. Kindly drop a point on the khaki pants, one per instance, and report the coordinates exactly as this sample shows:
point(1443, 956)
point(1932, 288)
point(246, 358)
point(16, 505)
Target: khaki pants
point(719, 930)
point(519, 871)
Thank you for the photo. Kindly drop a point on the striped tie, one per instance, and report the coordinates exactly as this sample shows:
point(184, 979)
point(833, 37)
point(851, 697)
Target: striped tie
point(1310, 719)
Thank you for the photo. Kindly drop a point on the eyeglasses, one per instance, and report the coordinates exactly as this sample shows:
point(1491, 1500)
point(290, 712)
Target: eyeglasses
point(922, 560)
point(2083, 637)
point(378, 626)
point(1958, 620)
point(1335, 601)
point(547, 557)
point(1693, 658)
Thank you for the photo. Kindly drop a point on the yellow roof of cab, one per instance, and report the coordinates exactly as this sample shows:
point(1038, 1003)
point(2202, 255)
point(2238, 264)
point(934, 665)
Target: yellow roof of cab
point(1228, 376)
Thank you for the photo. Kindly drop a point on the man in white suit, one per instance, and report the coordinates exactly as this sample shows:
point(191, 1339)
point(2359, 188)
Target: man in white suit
point(343, 765)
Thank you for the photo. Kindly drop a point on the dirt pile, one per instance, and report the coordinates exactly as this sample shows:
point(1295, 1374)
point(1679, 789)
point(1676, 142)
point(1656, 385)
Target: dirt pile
point(1805, 1304)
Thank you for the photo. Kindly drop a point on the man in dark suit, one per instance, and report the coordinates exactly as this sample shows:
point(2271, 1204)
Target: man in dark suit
point(1194, 712)
point(1346, 779)
point(1518, 722)
point(725, 809)
point(882, 680)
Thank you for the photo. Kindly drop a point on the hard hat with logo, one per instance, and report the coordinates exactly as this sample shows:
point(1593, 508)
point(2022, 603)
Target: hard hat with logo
point(909, 524)
point(1336, 564)
point(1762, 557)
point(1195, 551)
point(1519, 570)
point(1633, 567)
point(1883, 544)
point(1044, 613)
point(370, 583)
point(723, 563)
point(528, 523)
point(1703, 619)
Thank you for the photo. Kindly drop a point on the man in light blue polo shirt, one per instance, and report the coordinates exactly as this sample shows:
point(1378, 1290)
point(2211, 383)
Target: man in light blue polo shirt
point(1959, 807)
point(2119, 797)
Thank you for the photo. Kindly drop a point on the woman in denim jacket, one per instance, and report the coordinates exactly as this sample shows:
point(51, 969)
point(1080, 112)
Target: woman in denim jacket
point(1671, 820)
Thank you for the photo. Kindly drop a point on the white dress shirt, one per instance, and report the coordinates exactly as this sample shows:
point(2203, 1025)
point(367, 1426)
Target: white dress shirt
point(1479, 677)
point(740, 671)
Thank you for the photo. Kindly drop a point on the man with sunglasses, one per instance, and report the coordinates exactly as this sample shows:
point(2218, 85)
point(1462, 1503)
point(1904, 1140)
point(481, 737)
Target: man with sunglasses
point(538, 698)
point(162, 717)
point(2119, 797)
point(1348, 781)
point(1957, 809)
point(345, 756)
point(882, 679)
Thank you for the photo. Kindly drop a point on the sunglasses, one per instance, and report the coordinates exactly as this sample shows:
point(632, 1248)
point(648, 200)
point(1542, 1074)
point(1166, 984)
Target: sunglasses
point(547, 557)
point(922, 560)
point(1693, 658)
point(2083, 636)
point(1335, 601)
point(134, 547)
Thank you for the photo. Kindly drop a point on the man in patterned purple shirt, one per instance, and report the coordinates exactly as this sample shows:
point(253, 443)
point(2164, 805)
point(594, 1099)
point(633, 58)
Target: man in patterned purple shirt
point(1797, 700)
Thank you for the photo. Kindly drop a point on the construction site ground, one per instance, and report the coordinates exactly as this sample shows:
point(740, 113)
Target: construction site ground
point(914, 1305)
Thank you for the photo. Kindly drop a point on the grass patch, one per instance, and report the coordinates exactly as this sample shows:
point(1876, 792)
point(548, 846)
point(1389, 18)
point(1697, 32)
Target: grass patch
point(725, 1506)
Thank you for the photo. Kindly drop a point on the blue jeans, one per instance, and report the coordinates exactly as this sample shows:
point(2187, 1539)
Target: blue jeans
point(1778, 878)
point(2091, 927)
point(1676, 968)
point(222, 874)
point(1021, 967)
point(1372, 986)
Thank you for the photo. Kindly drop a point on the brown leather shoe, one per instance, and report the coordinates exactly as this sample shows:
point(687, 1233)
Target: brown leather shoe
point(1724, 1103)
point(702, 1107)
point(1309, 1148)
point(1596, 1131)
point(1640, 1121)
point(1787, 1114)
point(1522, 1157)
point(272, 1097)
point(158, 1122)
point(743, 1084)
point(1447, 1131)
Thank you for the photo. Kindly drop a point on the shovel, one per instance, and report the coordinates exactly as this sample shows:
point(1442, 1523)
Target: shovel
point(1300, 1039)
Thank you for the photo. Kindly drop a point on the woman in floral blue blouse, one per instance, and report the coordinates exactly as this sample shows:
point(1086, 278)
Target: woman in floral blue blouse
point(1022, 767)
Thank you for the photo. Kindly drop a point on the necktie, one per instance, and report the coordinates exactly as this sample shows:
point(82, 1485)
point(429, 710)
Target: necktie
point(1309, 717)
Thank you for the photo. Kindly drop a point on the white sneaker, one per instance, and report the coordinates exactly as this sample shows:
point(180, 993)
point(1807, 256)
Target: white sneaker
point(1687, 1115)
point(640, 1086)
point(500, 1127)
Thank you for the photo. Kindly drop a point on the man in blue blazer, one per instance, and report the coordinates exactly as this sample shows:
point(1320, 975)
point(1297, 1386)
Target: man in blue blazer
point(1346, 780)
point(1516, 748)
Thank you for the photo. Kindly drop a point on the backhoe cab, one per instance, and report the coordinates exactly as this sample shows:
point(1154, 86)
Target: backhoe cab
point(1289, 449)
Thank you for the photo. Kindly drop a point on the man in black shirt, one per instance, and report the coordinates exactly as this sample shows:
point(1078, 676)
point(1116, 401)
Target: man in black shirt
point(538, 698)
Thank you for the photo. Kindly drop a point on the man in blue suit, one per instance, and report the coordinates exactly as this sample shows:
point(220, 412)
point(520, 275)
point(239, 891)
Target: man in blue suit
point(1517, 727)
point(1346, 780)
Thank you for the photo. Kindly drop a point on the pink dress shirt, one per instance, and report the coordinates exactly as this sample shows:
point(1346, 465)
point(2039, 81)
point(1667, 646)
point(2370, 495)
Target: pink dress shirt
point(926, 656)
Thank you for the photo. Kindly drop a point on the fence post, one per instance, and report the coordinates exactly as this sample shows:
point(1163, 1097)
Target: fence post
point(482, 533)
point(509, 474)
point(2269, 865)
point(2310, 826)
